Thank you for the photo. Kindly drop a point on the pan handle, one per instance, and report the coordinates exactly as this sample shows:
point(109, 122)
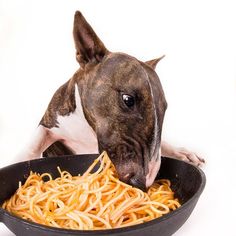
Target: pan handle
point(1, 214)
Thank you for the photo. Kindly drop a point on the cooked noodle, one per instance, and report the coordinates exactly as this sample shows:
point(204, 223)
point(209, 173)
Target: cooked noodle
point(92, 201)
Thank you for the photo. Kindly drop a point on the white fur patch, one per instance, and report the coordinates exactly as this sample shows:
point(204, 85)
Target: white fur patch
point(153, 168)
point(74, 130)
point(153, 149)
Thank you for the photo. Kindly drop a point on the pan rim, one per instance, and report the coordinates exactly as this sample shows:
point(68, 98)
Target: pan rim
point(41, 227)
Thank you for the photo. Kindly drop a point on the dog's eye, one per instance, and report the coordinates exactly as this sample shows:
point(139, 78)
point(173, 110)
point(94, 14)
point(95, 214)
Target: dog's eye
point(128, 100)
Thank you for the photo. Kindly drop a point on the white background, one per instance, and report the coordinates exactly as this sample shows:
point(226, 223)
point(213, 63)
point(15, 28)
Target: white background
point(198, 75)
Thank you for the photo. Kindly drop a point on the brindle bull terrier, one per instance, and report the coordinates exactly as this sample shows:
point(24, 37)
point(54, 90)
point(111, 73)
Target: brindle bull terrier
point(114, 102)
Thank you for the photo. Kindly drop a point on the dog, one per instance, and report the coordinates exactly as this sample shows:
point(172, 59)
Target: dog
point(113, 102)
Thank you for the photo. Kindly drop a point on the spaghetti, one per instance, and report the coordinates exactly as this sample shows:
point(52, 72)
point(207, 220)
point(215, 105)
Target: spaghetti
point(91, 201)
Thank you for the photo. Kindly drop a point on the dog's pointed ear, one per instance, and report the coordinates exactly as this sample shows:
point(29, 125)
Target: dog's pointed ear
point(89, 48)
point(153, 63)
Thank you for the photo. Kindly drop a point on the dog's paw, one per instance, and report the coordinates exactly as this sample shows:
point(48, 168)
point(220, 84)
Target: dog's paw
point(188, 156)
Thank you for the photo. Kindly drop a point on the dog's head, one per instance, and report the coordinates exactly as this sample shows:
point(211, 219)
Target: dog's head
point(123, 101)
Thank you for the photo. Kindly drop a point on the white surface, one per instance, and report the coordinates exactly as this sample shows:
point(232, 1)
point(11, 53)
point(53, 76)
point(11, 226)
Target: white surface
point(198, 76)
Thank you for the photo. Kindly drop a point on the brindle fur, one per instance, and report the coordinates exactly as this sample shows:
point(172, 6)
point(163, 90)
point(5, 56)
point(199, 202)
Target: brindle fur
point(62, 103)
point(125, 133)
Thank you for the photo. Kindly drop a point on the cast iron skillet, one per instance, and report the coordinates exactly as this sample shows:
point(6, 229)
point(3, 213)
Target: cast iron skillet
point(187, 181)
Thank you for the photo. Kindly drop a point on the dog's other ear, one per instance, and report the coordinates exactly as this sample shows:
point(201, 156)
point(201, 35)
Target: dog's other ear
point(153, 63)
point(89, 48)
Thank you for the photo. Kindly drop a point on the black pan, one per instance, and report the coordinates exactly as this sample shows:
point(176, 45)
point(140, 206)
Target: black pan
point(187, 181)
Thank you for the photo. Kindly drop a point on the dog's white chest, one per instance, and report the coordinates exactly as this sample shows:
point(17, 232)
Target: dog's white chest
point(74, 130)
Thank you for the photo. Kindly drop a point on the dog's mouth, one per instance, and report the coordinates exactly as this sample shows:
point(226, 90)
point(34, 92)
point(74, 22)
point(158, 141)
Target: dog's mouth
point(128, 163)
point(136, 162)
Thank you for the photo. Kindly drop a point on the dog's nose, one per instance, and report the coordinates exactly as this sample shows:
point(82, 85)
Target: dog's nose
point(135, 180)
point(138, 182)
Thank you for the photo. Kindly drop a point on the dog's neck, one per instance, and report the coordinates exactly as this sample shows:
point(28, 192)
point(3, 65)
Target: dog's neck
point(74, 130)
